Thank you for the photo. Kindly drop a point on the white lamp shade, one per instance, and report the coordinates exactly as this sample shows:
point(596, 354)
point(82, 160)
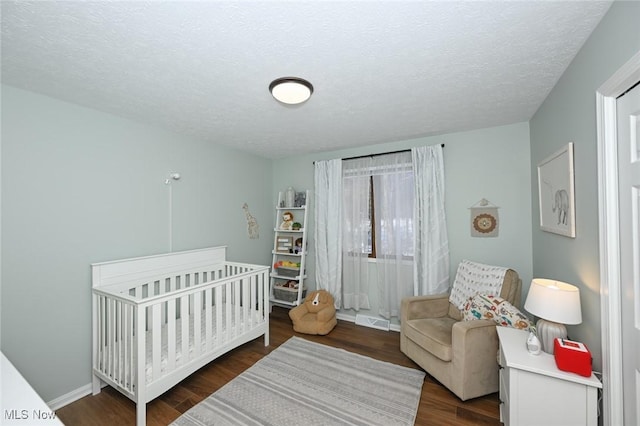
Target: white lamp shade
point(554, 301)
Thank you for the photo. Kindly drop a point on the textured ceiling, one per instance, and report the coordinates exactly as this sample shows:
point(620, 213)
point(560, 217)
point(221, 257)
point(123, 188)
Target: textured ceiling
point(382, 71)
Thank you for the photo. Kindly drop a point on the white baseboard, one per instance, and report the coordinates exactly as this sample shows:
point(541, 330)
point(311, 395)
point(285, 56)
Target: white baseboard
point(74, 395)
point(345, 317)
point(352, 318)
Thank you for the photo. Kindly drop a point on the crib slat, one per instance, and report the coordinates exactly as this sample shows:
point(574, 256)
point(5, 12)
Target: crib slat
point(246, 289)
point(175, 285)
point(146, 293)
point(126, 343)
point(184, 325)
point(257, 294)
point(128, 371)
point(110, 339)
point(156, 341)
point(139, 380)
point(102, 339)
point(261, 295)
point(197, 325)
point(118, 336)
point(208, 306)
point(219, 306)
point(171, 335)
point(236, 310)
point(107, 348)
point(227, 314)
point(252, 301)
point(264, 291)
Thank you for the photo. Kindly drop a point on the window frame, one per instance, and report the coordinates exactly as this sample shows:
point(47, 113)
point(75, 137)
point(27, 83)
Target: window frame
point(372, 218)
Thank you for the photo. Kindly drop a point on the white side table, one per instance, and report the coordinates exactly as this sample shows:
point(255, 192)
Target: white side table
point(533, 391)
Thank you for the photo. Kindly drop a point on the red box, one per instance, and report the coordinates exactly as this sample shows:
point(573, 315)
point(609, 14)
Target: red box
point(572, 356)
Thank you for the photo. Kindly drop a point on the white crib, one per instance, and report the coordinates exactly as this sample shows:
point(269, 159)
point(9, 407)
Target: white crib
point(158, 319)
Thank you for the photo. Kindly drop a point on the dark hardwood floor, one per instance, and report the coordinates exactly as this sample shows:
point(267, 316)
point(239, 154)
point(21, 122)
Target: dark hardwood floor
point(437, 406)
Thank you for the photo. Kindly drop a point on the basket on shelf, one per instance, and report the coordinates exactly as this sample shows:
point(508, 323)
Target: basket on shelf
point(288, 272)
point(288, 294)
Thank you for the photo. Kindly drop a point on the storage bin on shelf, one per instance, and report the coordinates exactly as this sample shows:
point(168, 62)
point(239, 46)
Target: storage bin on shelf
point(289, 294)
point(284, 271)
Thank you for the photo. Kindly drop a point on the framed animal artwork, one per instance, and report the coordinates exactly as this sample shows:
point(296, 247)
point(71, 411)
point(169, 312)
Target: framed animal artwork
point(556, 193)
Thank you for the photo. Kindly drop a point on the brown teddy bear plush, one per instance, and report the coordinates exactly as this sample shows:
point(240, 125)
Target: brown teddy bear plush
point(316, 315)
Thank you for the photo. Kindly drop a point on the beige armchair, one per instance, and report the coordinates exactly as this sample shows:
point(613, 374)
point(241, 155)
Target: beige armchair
point(459, 354)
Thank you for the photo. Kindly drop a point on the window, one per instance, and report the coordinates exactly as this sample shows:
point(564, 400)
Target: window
point(361, 204)
point(378, 206)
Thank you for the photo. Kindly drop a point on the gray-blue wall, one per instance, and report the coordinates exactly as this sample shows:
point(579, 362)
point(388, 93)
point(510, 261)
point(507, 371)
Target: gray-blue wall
point(80, 186)
point(488, 163)
point(569, 115)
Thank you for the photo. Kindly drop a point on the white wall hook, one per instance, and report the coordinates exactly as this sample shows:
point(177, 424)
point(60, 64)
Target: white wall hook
point(172, 175)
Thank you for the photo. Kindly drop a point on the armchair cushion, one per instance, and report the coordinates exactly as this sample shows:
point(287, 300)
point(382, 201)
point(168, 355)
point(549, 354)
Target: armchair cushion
point(433, 306)
point(433, 334)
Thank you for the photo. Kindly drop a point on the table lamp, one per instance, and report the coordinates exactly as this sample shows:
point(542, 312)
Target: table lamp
point(555, 303)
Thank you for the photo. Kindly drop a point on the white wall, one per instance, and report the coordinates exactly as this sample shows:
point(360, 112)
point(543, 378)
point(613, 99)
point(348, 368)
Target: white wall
point(80, 186)
point(491, 163)
point(569, 115)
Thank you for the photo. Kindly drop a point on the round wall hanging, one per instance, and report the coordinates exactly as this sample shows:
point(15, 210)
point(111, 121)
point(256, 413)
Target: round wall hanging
point(484, 219)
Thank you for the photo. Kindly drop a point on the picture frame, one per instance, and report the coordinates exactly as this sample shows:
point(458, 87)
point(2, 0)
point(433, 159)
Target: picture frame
point(284, 244)
point(300, 199)
point(556, 192)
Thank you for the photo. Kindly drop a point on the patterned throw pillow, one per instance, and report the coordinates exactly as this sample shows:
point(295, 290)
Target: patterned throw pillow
point(484, 306)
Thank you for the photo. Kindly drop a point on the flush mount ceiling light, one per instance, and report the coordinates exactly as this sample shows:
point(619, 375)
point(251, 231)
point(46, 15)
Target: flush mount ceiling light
point(291, 90)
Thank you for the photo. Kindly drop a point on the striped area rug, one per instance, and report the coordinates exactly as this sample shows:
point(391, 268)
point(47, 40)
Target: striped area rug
point(306, 383)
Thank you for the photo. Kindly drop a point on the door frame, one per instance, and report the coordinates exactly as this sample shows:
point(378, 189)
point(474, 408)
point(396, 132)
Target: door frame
point(608, 215)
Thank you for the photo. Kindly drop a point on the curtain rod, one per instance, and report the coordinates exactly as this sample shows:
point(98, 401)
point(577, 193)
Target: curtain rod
point(378, 154)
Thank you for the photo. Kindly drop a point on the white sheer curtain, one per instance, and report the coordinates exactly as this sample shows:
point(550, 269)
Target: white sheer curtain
point(393, 201)
point(328, 227)
point(431, 244)
point(356, 236)
point(412, 247)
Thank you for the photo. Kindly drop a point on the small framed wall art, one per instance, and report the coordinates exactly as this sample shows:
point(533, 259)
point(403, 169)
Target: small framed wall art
point(484, 219)
point(556, 193)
